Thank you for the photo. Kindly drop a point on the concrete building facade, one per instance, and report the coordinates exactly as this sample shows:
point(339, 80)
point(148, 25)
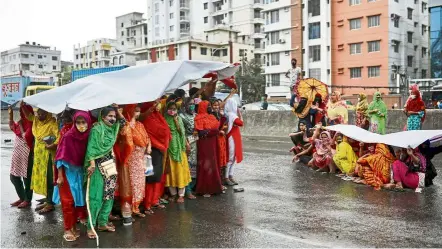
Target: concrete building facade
point(31, 58)
point(131, 31)
point(96, 53)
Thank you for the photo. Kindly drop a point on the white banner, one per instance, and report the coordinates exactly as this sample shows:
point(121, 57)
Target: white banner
point(403, 139)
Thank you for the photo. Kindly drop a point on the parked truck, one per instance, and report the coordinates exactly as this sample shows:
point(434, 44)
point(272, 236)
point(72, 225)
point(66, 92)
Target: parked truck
point(16, 87)
point(78, 74)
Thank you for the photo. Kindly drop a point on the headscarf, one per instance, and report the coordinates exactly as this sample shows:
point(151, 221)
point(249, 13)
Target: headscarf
point(188, 118)
point(157, 128)
point(204, 120)
point(72, 146)
point(319, 115)
point(216, 114)
point(178, 142)
point(42, 129)
point(231, 112)
point(323, 146)
point(334, 110)
point(417, 104)
point(26, 125)
point(362, 105)
point(101, 140)
point(378, 104)
point(138, 132)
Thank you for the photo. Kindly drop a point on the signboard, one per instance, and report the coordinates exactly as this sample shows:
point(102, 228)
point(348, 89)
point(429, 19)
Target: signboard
point(11, 92)
point(106, 46)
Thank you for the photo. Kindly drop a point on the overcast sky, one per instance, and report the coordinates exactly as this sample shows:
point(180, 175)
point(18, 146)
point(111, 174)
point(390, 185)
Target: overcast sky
point(61, 23)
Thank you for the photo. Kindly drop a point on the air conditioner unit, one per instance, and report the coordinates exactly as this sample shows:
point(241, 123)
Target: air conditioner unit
point(282, 41)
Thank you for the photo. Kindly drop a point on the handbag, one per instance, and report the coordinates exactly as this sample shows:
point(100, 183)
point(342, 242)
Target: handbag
point(109, 168)
point(149, 166)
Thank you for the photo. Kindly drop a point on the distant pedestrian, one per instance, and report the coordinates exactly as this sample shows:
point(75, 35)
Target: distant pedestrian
point(294, 74)
point(265, 104)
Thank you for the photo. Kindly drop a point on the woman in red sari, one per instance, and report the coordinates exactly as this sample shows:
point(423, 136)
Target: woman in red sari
point(159, 134)
point(414, 109)
point(234, 140)
point(208, 174)
point(222, 147)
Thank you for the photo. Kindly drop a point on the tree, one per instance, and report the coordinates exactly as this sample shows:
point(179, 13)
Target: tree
point(64, 77)
point(251, 81)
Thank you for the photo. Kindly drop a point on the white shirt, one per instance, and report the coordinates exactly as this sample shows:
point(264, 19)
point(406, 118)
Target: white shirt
point(293, 75)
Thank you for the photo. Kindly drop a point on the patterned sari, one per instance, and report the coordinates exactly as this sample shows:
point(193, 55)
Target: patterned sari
point(376, 167)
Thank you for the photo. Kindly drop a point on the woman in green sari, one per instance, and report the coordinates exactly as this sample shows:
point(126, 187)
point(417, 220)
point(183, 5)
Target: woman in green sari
point(377, 111)
point(99, 150)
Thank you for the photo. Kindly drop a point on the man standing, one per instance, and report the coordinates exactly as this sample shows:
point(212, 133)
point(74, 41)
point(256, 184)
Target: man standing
point(294, 74)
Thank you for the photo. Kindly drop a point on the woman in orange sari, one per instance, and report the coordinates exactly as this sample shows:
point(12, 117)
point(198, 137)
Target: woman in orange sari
point(376, 167)
point(139, 143)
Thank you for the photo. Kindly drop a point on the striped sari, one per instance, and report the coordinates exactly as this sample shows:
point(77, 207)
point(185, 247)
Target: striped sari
point(376, 167)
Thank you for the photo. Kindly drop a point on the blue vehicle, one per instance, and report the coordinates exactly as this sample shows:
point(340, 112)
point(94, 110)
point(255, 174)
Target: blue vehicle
point(78, 74)
point(17, 87)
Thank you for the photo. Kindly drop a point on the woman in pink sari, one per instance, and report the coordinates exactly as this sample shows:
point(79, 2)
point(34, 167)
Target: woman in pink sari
point(323, 156)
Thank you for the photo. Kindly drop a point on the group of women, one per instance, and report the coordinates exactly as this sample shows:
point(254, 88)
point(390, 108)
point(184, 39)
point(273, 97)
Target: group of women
point(377, 165)
point(143, 155)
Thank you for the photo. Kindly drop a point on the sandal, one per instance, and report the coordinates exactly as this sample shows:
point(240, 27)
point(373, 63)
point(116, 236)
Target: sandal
point(191, 197)
point(139, 214)
point(91, 234)
point(180, 199)
point(24, 204)
point(148, 211)
point(114, 217)
point(164, 201)
point(16, 203)
point(69, 237)
point(159, 206)
point(48, 208)
point(40, 206)
point(106, 228)
point(206, 195)
point(172, 198)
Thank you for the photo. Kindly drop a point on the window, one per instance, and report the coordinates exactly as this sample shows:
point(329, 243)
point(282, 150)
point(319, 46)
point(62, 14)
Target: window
point(355, 2)
point(355, 23)
point(90, 55)
point(25, 56)
point(416, 1)
point(424, 73)
point(314, 73)
point(40, 66)
point(315, 53)
point(76, 56)
point(176, 51)
point(424, 52)
point(274, 37)
point(374, 21)
point(355, 72)
point(122, 24)
point(225, 52)
point(355, 48)
point(374, 46)
point(157, 7)
point(157, 31)
point(145, 40)
point(371, 1)
point(396, 22)
point(206, 19)
point(274, 16)
point(274, 59)
point(171, 16)
point(96, 53)
point(314, 7)
point(396, 46)
point(415, 24)
point(410, 61)
point(397, 1)
point(424, 7)
point(54, 67)
point(171, 3)
point(410, 13)
point(275, 79)
point(424, 29)
point(40, 56)
point(122, 33)
point(157, 19)
point(171, 28)
point(410, 37)
point(203, 51)
point(122, 43)
point(205, 6)
point(314, 30)
point(374, 71)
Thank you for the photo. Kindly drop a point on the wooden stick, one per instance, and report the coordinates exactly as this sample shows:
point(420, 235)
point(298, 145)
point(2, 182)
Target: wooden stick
point(89, 211)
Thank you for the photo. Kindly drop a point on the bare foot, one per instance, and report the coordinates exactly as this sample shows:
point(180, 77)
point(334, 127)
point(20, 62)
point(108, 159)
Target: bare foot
point(399, 185)
point(191, 197)
point(180, 199)
point(389, 185)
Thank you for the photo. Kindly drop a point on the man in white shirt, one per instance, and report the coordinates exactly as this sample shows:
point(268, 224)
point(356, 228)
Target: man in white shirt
point(294, 74)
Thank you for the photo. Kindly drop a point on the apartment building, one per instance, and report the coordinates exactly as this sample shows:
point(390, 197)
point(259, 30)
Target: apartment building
point(222, 45)
point(174, 20)
point(96, 53)
point(30, 59)
point(436, 38)
point(131, 31)
point(374, 41)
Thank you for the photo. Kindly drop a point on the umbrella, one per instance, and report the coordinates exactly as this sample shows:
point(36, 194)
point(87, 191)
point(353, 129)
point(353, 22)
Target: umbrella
point(131, 85)
point(311, 87)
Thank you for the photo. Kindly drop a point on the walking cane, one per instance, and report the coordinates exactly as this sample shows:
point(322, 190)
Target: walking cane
point(89, 211)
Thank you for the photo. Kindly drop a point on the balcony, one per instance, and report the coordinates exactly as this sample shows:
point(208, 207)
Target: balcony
point(258, 35)
point(184, 6)
point(258, 20)
point(184, 19)
point(258, 4)
point(184, 31)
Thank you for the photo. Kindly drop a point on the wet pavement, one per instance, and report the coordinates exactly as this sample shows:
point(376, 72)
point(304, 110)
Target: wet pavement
point(284, 205)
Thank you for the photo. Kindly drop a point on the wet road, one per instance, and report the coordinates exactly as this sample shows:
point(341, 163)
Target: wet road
point(284, 205)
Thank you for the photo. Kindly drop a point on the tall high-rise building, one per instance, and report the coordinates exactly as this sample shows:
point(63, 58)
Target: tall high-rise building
point(374, 41)
point(436, 38)
point(131, 31)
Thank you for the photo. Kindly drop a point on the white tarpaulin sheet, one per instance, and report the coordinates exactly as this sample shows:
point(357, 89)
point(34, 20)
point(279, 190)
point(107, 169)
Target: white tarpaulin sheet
point(402, 139)
point(131, 85)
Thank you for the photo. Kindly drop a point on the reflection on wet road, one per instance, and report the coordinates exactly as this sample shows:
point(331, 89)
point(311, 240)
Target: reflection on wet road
point(284, 205)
